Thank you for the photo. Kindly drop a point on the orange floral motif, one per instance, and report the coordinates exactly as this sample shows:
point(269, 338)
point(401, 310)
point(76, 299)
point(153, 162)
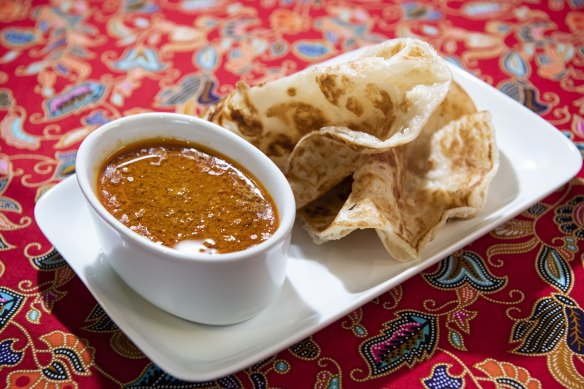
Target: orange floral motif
point(506, 374)
point(69, 355)
point(58, 340)
point(467, 295)
point(575, 21)
point(11, 10)
point(288, 22)
point(34, 379)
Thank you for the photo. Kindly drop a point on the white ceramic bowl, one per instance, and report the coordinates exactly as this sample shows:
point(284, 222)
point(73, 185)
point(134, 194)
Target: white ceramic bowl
point(211, 289)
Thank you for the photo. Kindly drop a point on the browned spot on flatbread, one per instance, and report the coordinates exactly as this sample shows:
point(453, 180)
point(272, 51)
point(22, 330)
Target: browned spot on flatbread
point(354, 106)
point(405, 104)
point(357, 66)
point(379, 98)
point(333, 86)
point(382, 101)
point(215, 113)
point(279, 146)
point(291, 92)
point(247, 125)
point(391, 51)
point(246, 117)
point(305, 117)
point(416, 52)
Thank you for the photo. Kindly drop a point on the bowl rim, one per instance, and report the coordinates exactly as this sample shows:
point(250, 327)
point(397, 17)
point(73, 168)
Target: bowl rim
point(286, 212)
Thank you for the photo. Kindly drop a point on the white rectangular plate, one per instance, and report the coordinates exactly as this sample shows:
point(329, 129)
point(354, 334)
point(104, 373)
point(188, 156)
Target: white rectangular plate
point(324, 282)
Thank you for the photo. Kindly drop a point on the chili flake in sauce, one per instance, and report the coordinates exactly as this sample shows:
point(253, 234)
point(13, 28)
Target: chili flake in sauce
point(185, 196)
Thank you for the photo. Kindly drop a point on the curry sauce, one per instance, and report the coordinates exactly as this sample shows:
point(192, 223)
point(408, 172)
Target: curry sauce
point(185, 196)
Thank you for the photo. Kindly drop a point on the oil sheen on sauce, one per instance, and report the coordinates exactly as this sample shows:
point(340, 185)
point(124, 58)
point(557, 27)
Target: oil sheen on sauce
point(187, 197)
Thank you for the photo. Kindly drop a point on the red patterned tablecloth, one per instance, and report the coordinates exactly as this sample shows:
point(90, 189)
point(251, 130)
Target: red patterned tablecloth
point(513, 319)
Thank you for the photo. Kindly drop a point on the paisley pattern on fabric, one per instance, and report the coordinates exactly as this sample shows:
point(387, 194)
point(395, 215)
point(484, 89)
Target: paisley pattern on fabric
point(10, 304)
point(49, 260)
point(504, 311)
point(466, 267)
point(554, 269)
point(543, 330)
point(69, 357)
point(570, 217)
point(74, 99)
point(405, 341)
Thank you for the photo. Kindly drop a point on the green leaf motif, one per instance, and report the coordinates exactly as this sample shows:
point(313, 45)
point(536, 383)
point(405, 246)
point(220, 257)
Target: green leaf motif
point(456, 340)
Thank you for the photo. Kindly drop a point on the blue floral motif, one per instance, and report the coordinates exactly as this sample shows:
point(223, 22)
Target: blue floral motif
point(19, 37)
point(199, 85)
point(569, 217)
point(10, 303)
point(456, 339)
point(415, 11)
point(311, 50)
point(554, 269)
point(440, 379)
point(481, 8)
point(9, 357)
point(142, 57)
point(24, 139)
point(465, 268)
point(207, 58)
point(282, 366)
point(515, 65)
point(9, 205)
point(66, 164)
point(524, 93)
point(96, 118)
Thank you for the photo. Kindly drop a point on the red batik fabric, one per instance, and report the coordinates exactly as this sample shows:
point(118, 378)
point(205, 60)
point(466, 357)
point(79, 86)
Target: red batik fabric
point(505, 311)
